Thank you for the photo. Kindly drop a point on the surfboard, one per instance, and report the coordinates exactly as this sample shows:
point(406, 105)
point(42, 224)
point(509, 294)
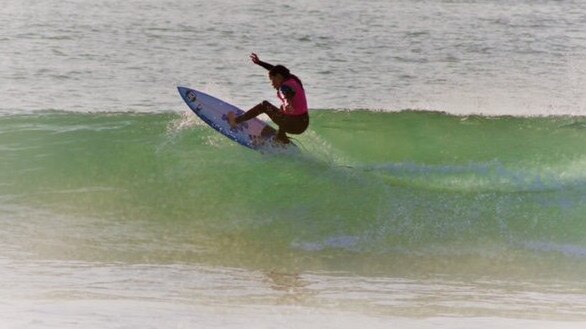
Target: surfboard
point(254, 134)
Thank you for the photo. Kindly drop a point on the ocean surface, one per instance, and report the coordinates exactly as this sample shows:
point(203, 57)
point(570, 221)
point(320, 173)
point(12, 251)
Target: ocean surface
point(441, 183)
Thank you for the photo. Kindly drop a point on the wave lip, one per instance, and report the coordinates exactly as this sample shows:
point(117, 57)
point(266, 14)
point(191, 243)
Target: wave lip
point(493, 175)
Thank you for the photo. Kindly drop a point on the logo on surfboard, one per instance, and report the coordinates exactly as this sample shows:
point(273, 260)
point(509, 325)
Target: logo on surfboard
point(191, 96)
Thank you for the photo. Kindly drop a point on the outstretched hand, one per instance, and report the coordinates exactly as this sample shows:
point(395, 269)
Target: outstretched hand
point(254, 58)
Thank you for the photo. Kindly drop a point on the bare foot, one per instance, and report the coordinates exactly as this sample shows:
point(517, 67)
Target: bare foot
point(282, 137)
point(231, 119)
point(284, 140)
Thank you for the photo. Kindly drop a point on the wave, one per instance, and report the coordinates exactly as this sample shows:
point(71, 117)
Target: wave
point(366, 181)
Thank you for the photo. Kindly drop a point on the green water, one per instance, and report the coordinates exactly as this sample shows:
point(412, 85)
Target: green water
point(379, 189)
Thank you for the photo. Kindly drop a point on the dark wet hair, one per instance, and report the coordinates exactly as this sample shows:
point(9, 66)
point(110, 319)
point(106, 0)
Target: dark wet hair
point(285, 73)
point(280, 69)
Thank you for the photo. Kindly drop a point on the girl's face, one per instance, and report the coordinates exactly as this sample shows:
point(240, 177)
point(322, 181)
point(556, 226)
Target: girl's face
point(276, 80)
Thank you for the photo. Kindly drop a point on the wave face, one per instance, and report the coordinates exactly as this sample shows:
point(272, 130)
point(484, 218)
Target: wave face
point(377, 186)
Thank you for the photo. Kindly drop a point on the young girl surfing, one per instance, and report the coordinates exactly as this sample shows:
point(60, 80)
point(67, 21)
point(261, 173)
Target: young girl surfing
point(292, 116)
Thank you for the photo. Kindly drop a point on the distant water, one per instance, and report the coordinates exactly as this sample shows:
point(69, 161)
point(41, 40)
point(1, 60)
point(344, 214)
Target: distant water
point(521, 57)
point(120, 209)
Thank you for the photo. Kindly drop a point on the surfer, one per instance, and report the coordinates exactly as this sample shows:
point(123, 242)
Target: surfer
point(292, 116)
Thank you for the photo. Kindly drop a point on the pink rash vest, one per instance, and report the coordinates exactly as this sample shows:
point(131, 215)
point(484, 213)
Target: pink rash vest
point(298, 105)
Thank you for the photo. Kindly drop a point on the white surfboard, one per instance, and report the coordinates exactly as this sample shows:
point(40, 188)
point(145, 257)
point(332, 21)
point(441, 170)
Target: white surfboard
point(214, 111)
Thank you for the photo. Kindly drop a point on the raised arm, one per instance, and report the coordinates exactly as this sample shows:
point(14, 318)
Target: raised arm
point(257, 61)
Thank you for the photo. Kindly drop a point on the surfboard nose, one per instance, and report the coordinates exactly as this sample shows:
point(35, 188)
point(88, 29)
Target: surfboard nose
point(189, 95)
point(182, 90)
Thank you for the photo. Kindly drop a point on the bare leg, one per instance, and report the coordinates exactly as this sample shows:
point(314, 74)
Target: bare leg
point(257, 110)
point(269, 109)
